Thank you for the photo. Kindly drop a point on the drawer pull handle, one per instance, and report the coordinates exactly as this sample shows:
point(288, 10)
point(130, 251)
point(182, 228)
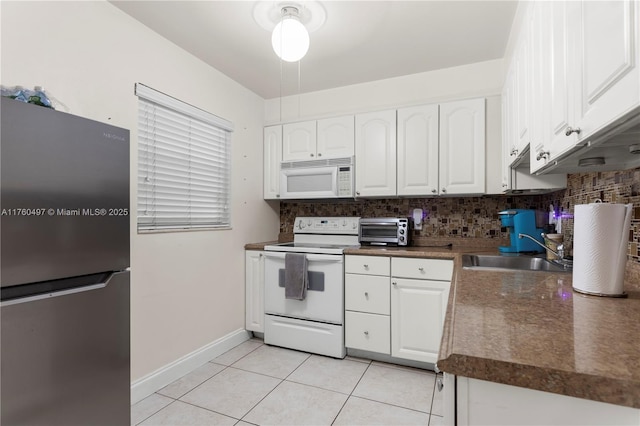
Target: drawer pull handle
point(366, 266)
point(366, 333)
point(421, 269)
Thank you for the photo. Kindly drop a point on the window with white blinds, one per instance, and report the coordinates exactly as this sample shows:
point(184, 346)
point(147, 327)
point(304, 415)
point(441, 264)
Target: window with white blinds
point(184, 165)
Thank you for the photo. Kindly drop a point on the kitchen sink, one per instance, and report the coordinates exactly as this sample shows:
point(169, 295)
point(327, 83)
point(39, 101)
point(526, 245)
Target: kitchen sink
point(512, 263)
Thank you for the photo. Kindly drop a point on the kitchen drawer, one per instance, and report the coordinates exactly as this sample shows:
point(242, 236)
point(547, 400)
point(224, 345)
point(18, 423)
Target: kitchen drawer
point(431, 269)
point(369, 332)
point(368, 265)
point(366, 293)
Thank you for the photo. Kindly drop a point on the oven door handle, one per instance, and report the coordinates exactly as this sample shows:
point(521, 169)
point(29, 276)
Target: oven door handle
point(327, 258)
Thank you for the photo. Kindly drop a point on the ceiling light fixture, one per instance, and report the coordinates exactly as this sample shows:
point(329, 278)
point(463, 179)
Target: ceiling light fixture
point(290, 22)
point(290, 39)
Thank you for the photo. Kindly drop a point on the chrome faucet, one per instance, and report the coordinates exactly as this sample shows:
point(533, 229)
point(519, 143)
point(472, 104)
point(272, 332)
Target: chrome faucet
point(559, 253)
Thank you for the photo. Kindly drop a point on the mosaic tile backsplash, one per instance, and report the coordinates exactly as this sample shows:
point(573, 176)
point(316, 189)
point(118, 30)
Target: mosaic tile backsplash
point(476, 218)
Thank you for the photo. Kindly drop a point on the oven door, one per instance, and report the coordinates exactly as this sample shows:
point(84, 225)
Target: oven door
point(325, 296)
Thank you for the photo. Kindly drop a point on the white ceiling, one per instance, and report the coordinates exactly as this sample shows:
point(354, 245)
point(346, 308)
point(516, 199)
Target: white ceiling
point(360, 41)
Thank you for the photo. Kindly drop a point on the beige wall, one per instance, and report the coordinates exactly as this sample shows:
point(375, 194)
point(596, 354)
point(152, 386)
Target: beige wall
point(187, 288)
point(467, 81)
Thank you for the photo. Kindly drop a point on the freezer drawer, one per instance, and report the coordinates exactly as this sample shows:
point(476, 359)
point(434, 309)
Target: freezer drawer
point(65, 358)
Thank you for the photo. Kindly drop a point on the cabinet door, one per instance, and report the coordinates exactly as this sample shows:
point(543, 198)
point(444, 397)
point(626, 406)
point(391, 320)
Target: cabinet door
point(299, 141)
point(272, 156)
point(522, 70)
point(462, 147)
point(563, 68)
point(507, 131)
point(254, 290)
point(376, 154)
point(608, 49)
point(336, 137)
point(541, 83)
point(417, 316)
point(418, 150)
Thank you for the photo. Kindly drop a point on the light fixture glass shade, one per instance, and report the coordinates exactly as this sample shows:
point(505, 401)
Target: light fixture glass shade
point(290, 39)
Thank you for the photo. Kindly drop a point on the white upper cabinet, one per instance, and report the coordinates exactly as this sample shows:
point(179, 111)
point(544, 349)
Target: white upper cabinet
point(561, 70)
point(299, 141)
point(418, 150)
point(462, 147)
point(318, 140)
point(585, 84)
point(376, 154)
point(607, 52)
point(272, 156)
point(522, 85)
point(336, 137)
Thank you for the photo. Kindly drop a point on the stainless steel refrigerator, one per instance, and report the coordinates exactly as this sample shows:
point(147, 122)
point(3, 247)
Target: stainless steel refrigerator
point(64, 230)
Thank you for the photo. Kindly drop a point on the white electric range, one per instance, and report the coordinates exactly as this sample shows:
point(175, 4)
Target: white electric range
point(315, 324)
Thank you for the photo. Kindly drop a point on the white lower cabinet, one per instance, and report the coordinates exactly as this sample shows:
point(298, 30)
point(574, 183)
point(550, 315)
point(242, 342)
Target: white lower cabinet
point(367, 332)
point(480, 402)
point(396, 306)
point(417, 315)
point(419, 295)
point(254, 290)
point(366, 287)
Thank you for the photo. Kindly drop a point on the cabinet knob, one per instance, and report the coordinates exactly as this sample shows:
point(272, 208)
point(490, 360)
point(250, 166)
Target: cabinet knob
point(260, 255)
point(366, 266)
point(394, 283)
point(504, 185)
point(444, 189)
point(357, 192)
point(439, 384)
point(366, 333)
point(435, 191)
point(366, 294)
point(277, 195)
point(421, 269)
point(514, 152)
point(542, 154)
point(319, 154)
point(570, 130)
point(312, 155)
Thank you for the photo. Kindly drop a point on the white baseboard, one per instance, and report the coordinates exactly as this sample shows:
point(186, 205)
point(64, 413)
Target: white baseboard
point(160, 378)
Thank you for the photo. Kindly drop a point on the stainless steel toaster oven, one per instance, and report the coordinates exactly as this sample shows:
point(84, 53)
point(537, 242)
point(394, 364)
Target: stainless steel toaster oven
point(391, 231)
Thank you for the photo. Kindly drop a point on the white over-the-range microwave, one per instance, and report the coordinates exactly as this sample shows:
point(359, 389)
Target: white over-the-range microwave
point(330, 178)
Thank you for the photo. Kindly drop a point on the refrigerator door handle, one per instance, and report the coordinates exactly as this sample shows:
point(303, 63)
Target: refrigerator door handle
point(58, 293)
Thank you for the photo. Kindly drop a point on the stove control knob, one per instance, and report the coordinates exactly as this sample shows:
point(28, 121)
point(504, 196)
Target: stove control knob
point(354, 225)
point(301, 225)
point(344, 223)
point(401, 231)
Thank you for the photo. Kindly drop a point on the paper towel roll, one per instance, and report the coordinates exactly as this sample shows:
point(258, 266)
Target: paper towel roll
point(600, 247)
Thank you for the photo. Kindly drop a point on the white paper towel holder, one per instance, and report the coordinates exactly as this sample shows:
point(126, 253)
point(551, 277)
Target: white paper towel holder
point(590, 293)
point(621, 294)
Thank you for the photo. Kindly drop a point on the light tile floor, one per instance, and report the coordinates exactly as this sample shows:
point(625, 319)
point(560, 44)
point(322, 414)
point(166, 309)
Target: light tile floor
point(257, 384)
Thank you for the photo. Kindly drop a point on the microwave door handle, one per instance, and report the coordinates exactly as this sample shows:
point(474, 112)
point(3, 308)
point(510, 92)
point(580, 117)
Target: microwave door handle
point(394, 224)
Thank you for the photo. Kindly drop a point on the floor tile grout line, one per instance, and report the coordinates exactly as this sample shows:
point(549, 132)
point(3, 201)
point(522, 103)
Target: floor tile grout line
point(210, 410)
point(196, 386)
point(393, 405)
point(261, 399)
point(351, 393)
point(156, 412)
point(275, 387)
